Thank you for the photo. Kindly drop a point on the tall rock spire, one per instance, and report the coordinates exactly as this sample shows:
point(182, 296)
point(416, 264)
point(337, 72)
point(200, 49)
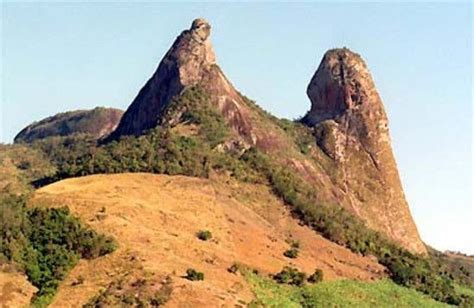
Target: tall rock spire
point(352, 128)
point(190, 61)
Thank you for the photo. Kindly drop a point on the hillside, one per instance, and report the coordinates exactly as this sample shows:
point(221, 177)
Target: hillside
point(198, 197)
point(155, 219)
point(19, 165)
point(97, 123)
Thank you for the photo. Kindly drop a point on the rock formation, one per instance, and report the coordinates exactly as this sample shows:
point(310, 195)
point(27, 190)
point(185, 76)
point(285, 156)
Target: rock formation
point(98, 122)
point(352, 128)
point(190, 61)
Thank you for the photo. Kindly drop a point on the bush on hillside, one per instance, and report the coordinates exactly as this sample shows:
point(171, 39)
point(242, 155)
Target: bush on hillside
point(234, 268)
point(290, 275)
point(316, 277)
point(204, 235)
point(193, 275)
point(291, 253)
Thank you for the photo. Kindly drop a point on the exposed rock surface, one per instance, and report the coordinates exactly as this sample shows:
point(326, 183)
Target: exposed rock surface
point(190, 61)
point(352, 128)
point(97, 122)
point(351, 164)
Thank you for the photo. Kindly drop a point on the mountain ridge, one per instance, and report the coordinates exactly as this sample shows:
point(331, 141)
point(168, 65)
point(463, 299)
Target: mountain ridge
point(97, 122)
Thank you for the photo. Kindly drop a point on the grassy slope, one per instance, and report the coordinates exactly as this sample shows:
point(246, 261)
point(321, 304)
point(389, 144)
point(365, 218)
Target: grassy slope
point(341, 293)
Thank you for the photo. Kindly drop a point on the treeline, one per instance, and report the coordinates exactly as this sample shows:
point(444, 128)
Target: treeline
point(46, 243)
point(163, 150)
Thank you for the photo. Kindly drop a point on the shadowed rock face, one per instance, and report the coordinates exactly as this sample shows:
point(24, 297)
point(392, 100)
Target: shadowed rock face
point(352, 128)
point(98, 123)
point(190, 61)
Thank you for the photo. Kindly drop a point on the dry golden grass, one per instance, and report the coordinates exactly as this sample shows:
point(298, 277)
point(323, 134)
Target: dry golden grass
point(15, 290)
point(155, 219)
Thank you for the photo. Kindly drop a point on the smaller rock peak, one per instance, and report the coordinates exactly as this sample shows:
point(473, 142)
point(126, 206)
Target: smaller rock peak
point(200, 29)
point(342, 52)
point(343, 57)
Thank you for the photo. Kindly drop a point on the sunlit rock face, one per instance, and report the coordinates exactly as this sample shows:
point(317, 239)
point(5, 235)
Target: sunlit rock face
point(190, 61)
point(352, 128)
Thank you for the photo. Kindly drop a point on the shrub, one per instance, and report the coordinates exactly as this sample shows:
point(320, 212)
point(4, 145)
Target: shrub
point(290, 275)
point(204, 235)
point(291, 253)
point(316, 277)
point(193, 275)
point(234, 268)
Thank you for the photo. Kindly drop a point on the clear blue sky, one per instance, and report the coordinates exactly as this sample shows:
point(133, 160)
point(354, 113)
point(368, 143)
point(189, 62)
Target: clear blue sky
point(58, 57)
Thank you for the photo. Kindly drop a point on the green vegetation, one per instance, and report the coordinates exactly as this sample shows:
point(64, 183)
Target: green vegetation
point(46, 243)
point(342, 293)
point(193, 275)
point(290, 275)
point(204, 235)
point(162, 150)
point(19, 166)
point(294, 250)
point(316, 277)
point(291, 253)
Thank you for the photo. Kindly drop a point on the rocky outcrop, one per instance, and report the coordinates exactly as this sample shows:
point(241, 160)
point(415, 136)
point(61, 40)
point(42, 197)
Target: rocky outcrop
point(98, 122)
point(351, 127)
point(189, 62)
point(348, 116)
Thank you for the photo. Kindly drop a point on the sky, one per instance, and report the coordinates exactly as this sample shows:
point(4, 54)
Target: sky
point(65, 56)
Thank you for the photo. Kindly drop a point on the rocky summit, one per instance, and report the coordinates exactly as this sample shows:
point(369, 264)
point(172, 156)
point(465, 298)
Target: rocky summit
point(351, 127)
point(190, 61)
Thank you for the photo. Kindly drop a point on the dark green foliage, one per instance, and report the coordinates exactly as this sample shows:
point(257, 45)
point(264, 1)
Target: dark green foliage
point(46, 243)
point(291, 253)
point(193, 275)
point(194, 107)
point(204, 235)
point(290, 275)
point(316, 277)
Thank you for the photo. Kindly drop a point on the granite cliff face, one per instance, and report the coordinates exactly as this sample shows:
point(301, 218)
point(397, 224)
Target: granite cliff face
point(98, 123)
point(348, 160)
point(190, 61)
point(351, 127)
